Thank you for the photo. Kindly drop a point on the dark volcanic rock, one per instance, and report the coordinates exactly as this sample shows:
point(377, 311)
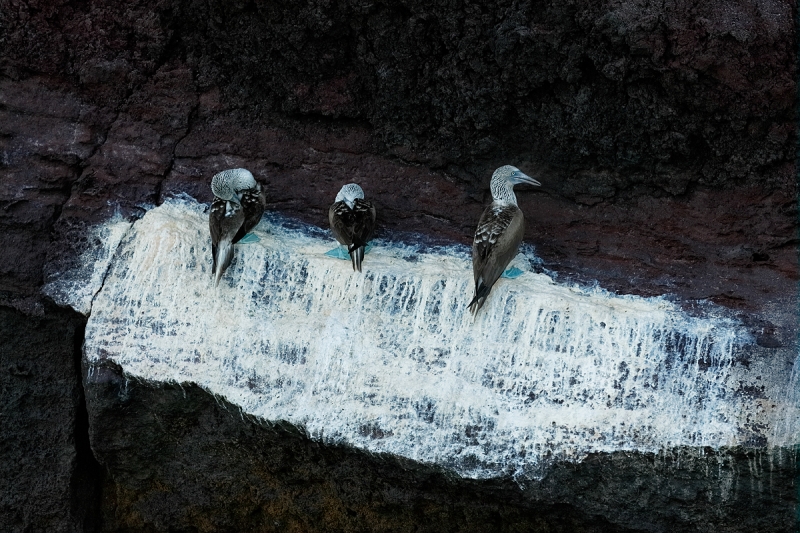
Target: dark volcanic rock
point(621, 109)
point(173, 451)
point(50, 477)
point(181, 480)
point(664, 134)
point(604, 95)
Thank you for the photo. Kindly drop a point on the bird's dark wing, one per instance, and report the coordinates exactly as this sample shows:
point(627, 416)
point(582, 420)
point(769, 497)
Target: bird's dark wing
point(253, 204)
point(215, 216)
point(224, 221)
point(353, 227)
point(363, 221)
point(341, 218)
point(362, 230)
point(497, 239)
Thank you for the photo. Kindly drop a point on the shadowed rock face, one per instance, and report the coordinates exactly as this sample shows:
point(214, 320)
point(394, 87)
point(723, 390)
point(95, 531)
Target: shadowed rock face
point(50, 477)
point(663, 133)
point(182, 479)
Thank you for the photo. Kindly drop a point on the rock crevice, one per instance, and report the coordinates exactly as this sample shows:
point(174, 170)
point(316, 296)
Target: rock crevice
point(664, 134)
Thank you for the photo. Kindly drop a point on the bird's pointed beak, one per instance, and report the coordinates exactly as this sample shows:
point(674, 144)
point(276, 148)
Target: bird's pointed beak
point(520, 177)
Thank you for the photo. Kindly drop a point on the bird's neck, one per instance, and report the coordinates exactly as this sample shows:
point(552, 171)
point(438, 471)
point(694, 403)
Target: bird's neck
point(503, 192)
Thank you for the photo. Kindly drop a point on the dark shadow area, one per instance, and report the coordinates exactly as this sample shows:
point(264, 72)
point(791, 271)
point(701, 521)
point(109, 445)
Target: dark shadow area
point(180, 459)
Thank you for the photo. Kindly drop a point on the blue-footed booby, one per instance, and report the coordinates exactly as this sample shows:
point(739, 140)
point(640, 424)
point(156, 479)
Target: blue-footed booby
point(237, 208)
point(352, 220)
point(499, 232)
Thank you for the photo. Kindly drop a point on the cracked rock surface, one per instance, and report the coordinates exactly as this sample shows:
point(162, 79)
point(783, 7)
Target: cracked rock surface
point(664, 135)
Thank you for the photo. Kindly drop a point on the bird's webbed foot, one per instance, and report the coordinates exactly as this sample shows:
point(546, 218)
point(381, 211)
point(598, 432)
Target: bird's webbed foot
point(512, 273)
point(340, 252)
point(248, 239)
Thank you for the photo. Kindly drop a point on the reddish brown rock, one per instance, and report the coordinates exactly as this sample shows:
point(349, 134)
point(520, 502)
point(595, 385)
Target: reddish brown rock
point(609, 104)
point(664, 135)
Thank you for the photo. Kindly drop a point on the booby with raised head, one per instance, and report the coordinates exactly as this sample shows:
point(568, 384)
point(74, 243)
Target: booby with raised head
point(238, 205)
point(499, 232)
point(352, 221)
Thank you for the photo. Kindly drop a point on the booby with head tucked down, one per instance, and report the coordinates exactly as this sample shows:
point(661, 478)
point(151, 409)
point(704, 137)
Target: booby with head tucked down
point(237, 208)
point(499, 232)
point(352, 220)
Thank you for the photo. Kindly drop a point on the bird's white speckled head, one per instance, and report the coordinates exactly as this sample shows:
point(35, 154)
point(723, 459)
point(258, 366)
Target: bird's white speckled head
point(349, 193)
point(503, 181)
point(227, 184)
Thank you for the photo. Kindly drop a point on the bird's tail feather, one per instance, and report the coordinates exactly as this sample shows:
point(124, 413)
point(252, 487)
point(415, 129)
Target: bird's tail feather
point(356, 252)
point(481, 292)
point(222, 259)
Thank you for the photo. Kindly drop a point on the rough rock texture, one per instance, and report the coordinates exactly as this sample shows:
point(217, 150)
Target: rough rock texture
point(181, 479)
point(664, 134)
point(50, 476)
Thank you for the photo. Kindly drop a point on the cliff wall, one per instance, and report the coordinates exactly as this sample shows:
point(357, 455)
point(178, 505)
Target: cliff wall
point(664, 135)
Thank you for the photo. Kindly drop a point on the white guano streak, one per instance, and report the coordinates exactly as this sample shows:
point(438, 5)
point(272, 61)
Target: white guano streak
point(391, 361)
point(77, 288)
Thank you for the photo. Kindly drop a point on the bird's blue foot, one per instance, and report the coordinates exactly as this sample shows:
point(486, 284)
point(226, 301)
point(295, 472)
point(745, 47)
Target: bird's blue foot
point(512, 273)
point(249, 238)
point(340, 252)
